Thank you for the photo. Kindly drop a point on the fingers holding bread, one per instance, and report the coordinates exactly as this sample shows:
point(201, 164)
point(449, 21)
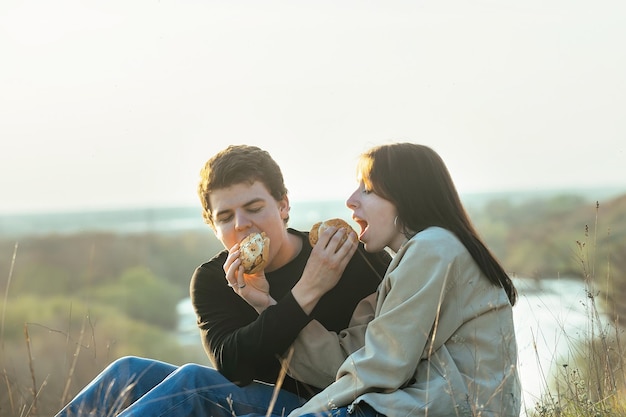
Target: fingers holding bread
point(318, 228)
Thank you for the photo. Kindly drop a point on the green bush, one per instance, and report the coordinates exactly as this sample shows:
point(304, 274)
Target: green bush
point(142, 296)
point(54, 346)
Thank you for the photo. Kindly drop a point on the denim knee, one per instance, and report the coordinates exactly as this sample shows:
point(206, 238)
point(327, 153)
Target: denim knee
point(126, 362)
point(140, 373)
point(200, 376)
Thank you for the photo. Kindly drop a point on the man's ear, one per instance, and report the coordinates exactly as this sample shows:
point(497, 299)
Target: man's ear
point(283, 207)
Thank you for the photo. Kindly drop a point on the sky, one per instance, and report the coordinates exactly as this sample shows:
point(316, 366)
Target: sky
point(118, 104)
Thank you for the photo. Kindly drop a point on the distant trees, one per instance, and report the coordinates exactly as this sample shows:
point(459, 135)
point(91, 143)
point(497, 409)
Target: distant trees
point(69, 264)
point(76, 302)
point(562, 236)
point(142, 296)
point(58, 279)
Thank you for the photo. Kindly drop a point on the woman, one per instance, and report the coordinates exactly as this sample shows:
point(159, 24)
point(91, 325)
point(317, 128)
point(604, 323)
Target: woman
point(438, 338)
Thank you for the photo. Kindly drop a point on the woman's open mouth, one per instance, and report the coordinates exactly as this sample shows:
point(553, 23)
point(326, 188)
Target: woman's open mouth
point(362, 224)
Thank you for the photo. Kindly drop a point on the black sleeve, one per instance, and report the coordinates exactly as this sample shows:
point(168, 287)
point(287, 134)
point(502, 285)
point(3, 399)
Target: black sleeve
point(360, 279)
point(240, 343)
point(244, 345)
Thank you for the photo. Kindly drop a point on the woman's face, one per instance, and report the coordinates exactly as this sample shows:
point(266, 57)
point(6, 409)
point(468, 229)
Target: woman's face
point(376, 217)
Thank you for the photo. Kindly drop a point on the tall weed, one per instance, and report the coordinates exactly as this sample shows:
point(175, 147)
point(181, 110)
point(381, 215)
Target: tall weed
point(591, 380)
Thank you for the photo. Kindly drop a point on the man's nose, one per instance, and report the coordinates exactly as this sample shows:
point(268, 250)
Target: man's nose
point(242, 221)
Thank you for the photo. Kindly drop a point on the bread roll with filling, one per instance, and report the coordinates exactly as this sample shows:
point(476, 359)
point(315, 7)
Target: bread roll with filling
point(254, 250)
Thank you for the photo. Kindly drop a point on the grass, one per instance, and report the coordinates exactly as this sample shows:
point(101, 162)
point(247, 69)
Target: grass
point(590, 382)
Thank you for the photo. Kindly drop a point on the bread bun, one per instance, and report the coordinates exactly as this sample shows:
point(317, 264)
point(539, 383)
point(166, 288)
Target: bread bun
point(254, 250)
point(319, 227)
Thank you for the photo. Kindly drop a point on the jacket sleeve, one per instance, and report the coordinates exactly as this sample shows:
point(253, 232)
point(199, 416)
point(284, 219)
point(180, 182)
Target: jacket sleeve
point(240, 343)
point(398, 337)
point(317, 353)
point(244, 345)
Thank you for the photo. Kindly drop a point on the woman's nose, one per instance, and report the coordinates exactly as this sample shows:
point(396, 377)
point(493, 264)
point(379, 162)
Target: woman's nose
point(352, 202)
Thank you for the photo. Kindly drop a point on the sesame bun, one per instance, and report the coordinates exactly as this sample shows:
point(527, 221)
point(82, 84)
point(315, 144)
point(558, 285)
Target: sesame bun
point(254, 250)
point(319, 227)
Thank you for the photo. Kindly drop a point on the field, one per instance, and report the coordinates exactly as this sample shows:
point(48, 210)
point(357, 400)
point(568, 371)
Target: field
point(74, 300)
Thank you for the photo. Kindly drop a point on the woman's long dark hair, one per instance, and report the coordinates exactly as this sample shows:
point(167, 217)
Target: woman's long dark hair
point(416, 180)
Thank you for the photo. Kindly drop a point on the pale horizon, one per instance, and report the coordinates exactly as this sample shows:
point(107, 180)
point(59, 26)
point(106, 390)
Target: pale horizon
point(118, 104)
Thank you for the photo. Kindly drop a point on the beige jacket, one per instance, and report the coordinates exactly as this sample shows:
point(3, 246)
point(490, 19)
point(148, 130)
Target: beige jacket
point(437, 339)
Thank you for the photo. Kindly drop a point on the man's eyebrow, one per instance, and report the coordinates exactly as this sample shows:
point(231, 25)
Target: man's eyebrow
point(254, 201)
point(246, 204)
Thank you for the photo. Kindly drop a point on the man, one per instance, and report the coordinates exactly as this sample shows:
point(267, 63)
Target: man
point(247, 322)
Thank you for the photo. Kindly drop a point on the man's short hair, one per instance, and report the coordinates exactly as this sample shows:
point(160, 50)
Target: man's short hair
point(235, 165)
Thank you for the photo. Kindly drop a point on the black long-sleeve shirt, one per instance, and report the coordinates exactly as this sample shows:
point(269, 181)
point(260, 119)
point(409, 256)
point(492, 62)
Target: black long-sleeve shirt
point(244, 345)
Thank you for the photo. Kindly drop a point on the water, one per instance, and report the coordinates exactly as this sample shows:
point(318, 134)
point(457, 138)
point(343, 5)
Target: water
point(549, 317)
point(132, 220)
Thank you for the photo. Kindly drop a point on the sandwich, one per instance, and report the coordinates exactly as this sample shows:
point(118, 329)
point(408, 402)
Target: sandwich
point(253, 251)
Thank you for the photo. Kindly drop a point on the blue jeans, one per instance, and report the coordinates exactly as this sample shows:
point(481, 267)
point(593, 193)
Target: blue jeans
point(139, 387)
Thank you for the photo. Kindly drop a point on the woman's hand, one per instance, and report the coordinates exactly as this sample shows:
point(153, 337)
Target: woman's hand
point(325, 266)
point(253, 288)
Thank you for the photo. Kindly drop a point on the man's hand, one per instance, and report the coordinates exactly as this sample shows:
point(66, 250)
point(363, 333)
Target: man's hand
point(324, 268)
point(253, 288)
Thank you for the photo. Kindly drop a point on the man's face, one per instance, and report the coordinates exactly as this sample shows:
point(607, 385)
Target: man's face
point(243, 209)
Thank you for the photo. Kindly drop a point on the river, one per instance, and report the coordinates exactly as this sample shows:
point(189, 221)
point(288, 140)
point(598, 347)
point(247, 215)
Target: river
point(549, 317)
